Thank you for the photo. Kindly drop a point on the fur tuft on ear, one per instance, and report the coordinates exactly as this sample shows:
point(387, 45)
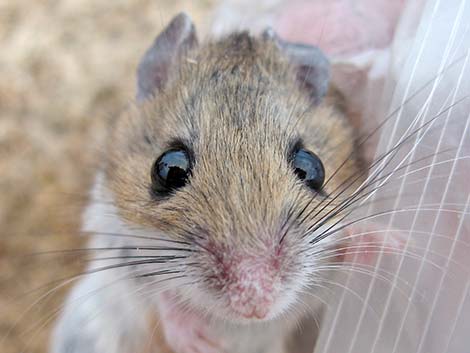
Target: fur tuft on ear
point(157, 63)
point(313, 68)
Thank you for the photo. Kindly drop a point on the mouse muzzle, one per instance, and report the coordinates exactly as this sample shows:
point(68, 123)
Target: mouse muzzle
point(251, 283)
point(251, 286)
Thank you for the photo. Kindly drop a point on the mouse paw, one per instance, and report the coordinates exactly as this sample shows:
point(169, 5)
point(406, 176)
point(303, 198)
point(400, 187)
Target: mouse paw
point(185, 332)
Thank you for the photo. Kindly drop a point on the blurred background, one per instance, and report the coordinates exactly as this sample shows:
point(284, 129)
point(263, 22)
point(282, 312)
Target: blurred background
point(65, 67)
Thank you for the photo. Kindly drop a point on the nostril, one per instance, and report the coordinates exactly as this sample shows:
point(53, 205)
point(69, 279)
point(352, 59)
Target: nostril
point(258, 313)
point(251, 305)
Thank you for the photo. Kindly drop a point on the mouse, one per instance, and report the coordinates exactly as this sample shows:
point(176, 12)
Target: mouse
point(213, 208)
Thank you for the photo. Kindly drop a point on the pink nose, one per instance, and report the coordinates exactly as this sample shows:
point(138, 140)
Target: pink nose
point(257, 308)
point(252, 289)
point(259, 312)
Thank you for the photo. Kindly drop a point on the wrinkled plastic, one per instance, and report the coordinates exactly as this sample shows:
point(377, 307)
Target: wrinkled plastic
point(417, 300)
point(425, 307)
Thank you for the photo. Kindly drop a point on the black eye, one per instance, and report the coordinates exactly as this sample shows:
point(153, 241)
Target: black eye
point(309, 168)
point(171, 170)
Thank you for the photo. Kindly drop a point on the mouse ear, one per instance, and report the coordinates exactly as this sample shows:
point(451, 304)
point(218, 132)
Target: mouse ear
point(313, 68)
point(156, 65)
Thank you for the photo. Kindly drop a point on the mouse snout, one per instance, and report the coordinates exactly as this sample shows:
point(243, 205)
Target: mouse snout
point(252, 286)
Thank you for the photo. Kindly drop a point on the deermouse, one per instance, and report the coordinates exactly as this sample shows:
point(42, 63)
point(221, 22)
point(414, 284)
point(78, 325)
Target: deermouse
point(210, 213)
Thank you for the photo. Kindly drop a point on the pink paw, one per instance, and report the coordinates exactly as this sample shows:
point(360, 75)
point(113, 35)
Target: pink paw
point(185, 332)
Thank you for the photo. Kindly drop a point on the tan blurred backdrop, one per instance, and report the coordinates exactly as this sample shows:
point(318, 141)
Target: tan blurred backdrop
point(65, 66)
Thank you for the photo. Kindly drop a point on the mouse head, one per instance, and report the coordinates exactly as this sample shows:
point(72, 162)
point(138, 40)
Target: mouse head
point(233, 151)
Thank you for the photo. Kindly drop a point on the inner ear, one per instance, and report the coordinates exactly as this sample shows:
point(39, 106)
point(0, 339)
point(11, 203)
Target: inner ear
point(312, 66)
point(159, 61)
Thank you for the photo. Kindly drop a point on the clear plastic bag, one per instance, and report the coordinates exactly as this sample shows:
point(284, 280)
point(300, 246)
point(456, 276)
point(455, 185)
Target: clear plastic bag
point(417, 300)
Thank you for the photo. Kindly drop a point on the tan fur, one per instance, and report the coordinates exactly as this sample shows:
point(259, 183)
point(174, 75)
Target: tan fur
point(236, 105)
point(235, 230)
point(238, 108)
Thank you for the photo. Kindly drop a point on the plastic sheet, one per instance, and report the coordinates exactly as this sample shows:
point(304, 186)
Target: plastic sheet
point(419, 83)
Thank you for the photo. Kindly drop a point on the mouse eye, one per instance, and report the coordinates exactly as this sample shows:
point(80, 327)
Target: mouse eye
point(171, 170)
point(309, 168)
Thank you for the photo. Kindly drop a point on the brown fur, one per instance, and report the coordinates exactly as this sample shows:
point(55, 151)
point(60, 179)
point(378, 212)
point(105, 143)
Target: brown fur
point(240, 111)
point(235, 104)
